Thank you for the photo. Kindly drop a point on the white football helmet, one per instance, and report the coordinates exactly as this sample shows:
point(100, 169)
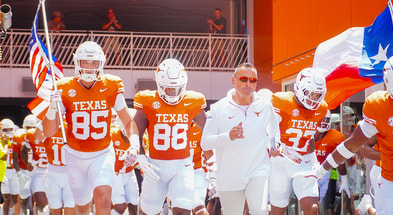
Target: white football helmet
point(326, 123)
point(7, 127)
point(336, 120)
point(30, 121)
point(171, 79)
point(310, 88)
point(388, 76)
point(349, 115)
point(90, 51)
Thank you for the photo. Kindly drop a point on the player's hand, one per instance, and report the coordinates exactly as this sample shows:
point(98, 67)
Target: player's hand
point(211, 190)
point(30, 167)
point(274, 153)
point(290, 153)
point(320, 171)
point(148, 168)
point(130, 156)
point(55, 97)
point(236, 132)
point(344, 185)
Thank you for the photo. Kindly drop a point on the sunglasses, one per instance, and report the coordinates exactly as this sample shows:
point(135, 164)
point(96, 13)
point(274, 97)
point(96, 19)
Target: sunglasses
point(245, 79)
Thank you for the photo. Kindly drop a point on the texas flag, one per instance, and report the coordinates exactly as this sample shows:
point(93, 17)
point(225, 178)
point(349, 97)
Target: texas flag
point(355, 58)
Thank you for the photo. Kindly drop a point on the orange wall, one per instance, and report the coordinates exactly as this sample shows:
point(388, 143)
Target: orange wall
point(263, 43)
point(299, 26)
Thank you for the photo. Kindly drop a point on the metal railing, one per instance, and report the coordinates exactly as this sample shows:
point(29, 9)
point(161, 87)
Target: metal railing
point(136, 50)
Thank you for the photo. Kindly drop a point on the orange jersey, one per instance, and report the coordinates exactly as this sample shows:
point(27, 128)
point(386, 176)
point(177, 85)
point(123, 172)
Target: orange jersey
point(19, 140)
point(54, 149)
point(120, 146)
point(195, 145)
point(37, 148)
point(88, 111)
point(327, 144)
point(297, 124)
point(169, 125)
point(377, 110)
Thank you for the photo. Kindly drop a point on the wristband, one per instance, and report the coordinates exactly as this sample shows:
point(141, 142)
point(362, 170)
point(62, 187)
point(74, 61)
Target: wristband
point(134, 140)
point(51, 113)
point(343, 150)
point(331, 161)
point(200, 210)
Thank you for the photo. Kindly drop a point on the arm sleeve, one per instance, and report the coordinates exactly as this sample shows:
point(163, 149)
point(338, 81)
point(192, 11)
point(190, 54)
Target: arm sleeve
point(211, 138)
point(120, 102)
point(368, 129)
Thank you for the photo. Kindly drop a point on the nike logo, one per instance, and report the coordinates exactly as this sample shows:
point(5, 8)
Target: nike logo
point(316, 114)
point(324, 144)
point(307, 161)
point(380, 184)
point(102, 90)
point(230, 117)
point(187, 165)
point(195, 133)
point(186, 104)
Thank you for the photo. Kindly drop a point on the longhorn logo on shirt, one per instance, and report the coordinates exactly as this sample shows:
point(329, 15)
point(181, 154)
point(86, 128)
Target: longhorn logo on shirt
point(257, 113)
point(390, 121)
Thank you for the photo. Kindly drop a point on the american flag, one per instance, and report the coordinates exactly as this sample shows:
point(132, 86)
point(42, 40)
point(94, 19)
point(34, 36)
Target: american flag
point(41, 72)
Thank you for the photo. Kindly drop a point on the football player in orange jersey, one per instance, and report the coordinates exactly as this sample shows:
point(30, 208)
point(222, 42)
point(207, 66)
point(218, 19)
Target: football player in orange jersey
point(10, 185)
point(125, 190)
point(240, 128)
point(377, 120)
point(58, 187)
point(23, 165)
point(87, 100)
point(36, 147)
point(371, 150)
point(328, 140)
point(167, 114)
point(299, 114)
point(199, 160)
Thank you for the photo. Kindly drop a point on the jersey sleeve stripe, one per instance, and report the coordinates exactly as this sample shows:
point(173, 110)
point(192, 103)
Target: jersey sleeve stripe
point(138, 105)
point(368, 120)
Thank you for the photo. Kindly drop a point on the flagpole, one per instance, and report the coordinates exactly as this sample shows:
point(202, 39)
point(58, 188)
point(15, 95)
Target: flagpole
point(51, 64)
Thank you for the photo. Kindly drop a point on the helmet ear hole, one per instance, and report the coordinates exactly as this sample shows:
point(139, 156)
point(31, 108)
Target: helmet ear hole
point(171, 79)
